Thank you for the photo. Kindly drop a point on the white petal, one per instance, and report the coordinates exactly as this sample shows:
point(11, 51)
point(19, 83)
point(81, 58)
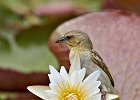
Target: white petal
point(64, 73)
point(56, 77)
point(74, 79)
point(53, 70)
point(95, 91)
point(91, 78)
point(53, 78)
point(74, 61)
point(94, 97)
point(93, 88)
point(51, 95)
point(111, 96)
point(58, 80)
point(55, 88)
point(39, 91)
point(81, 74)
point(92, 85)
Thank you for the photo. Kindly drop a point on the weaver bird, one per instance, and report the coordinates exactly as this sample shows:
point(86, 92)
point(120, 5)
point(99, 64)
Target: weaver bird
point(79, 42)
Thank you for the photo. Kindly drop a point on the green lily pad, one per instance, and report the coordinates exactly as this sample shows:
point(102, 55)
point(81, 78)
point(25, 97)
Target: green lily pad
point(4, 95)
point(27, 51)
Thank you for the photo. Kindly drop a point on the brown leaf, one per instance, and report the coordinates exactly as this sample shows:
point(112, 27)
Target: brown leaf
point(115, 35)
point(16, 81)
point(130, 5)
point(58, 9)
point(24, 96)
point(11, 80)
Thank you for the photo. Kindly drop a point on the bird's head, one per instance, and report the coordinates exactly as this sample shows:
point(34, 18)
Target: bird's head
point(76, 40)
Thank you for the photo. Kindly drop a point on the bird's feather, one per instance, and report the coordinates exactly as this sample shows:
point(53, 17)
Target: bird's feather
point(99, 61)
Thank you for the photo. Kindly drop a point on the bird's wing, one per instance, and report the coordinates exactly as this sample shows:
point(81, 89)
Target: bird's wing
point(96, 58)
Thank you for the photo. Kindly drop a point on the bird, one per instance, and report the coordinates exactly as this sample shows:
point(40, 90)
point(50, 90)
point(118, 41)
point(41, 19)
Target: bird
point(90, 59)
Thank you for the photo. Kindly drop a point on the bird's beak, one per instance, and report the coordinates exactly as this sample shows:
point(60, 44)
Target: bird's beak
point(60, 40)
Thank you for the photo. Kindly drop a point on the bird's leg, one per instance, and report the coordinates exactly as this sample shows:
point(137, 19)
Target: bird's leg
point(103, 90)
point(103, 95)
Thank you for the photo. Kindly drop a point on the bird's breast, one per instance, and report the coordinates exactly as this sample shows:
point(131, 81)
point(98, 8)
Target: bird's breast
point(86, 61)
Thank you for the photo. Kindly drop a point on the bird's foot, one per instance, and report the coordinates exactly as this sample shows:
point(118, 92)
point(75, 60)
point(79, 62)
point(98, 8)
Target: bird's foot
point(103, 96)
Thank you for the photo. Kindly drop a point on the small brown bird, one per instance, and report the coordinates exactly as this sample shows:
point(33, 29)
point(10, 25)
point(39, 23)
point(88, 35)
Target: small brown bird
point(80, 42)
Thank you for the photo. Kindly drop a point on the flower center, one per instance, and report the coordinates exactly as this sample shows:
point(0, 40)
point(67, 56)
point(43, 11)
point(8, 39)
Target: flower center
point(71, 96)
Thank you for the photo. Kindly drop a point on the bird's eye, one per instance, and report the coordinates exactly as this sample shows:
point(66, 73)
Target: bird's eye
point(68, 37)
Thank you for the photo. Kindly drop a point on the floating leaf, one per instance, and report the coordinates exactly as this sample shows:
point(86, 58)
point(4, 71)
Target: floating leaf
point(24, 51)
point(129, 5)
point(115, 36)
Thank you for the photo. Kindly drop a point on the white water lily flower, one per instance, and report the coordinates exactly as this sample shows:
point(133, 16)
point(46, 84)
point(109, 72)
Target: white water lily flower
point(66, 86)
point(72, 86)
